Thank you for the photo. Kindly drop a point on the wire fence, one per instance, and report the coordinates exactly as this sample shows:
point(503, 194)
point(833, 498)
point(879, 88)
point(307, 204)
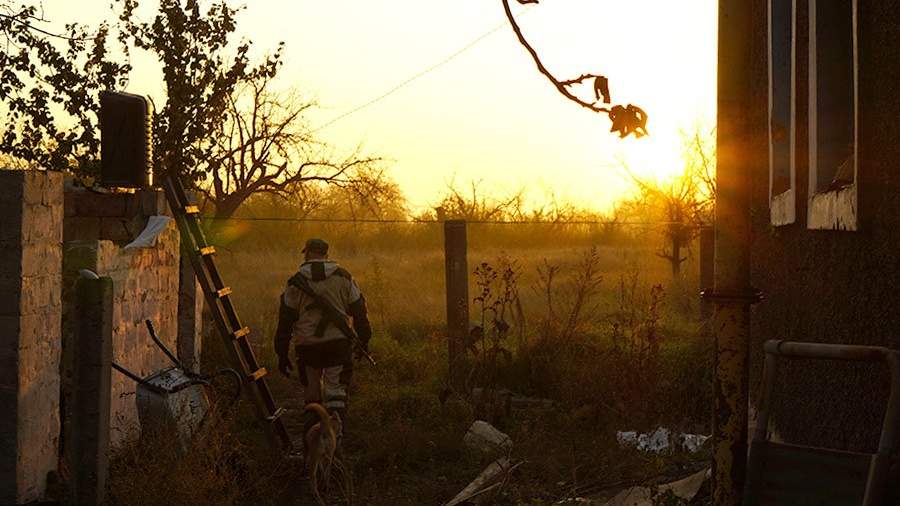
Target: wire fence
point(414, 221)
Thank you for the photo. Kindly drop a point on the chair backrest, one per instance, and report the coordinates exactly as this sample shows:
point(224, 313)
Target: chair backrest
point(779, 473)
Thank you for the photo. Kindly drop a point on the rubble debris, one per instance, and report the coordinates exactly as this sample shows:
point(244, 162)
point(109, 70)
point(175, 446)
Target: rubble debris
point(486, 485)
point(685, 488)
point(660, 440)
point(486, 438)
point(692, 442)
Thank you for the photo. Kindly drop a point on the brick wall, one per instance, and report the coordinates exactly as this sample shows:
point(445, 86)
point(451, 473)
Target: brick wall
point(145, 286)
point(46, 235)
point(93, 216)
point(31, 215)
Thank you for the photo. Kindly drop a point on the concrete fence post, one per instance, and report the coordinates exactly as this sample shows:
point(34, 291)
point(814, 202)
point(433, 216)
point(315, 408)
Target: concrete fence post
point(190, 314)
point(88, 450)
point(457, 285)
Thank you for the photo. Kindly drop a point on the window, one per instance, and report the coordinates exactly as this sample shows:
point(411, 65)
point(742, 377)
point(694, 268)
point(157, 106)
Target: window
point(832, 115)
point(782, 105)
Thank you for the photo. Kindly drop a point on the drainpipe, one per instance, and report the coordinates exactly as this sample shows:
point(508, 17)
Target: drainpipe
point(732, 294)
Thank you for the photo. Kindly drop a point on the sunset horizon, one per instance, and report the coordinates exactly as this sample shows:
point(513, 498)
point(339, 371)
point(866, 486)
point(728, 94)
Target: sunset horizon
point(476, 109)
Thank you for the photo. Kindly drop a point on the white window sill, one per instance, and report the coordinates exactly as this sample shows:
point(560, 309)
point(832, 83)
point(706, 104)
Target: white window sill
point(782, 208)
point(834, 210)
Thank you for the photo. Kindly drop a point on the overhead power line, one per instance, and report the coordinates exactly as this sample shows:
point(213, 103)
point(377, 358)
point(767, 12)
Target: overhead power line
point(417, 75)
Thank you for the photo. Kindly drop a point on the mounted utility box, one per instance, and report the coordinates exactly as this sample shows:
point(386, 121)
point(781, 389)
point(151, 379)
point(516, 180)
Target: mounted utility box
point(126, 140)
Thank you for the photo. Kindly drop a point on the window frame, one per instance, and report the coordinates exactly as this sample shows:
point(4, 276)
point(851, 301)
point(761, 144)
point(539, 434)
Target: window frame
point(783, 205)
point(831, 209)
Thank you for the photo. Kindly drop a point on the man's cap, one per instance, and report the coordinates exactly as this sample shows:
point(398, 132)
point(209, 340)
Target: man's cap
point(316, 246)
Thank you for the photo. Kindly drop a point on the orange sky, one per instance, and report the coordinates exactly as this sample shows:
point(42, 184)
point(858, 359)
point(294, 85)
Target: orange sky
point(487, 114)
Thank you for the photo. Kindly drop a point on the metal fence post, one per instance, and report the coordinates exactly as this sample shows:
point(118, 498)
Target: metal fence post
point(457, 284)
point(732, 293)
point(88, 450)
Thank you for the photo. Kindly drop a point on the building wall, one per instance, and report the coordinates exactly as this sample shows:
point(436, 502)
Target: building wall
point(145, 286)
point(833, 286)
point(31, 214)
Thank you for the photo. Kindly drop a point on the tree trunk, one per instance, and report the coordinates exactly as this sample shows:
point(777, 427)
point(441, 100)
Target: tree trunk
point(675, 259)
point(225, 209)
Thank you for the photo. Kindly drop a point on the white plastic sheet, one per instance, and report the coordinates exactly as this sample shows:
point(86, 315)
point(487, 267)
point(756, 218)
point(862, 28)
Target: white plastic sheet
point(147, 237)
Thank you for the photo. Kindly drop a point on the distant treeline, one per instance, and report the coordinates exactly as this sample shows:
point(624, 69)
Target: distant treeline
point(378, 218)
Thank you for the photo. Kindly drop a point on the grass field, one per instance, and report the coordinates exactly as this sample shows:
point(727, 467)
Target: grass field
point(619, 346)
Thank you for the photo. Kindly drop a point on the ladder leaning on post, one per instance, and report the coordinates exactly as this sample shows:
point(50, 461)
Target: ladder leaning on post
point(229, 326)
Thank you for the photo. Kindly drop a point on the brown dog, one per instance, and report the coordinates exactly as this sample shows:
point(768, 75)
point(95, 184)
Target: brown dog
point(321, 444)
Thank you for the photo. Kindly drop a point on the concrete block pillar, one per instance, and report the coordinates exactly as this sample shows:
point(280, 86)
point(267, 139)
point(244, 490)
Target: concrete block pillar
point(31, 216)
point(87, 444)
point(190, 315)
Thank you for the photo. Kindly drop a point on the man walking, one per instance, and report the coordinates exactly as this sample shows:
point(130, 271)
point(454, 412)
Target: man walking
point(318, 307)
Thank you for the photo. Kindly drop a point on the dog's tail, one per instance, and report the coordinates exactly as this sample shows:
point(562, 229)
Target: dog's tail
point(324, 418)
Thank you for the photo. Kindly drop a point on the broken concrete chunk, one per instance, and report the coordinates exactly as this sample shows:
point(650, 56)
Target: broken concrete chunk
point(692, 442)
point(685, 488)
point(486, 438)
point(484, 487)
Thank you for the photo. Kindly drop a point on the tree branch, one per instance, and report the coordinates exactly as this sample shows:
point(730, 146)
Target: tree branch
point(625, 119)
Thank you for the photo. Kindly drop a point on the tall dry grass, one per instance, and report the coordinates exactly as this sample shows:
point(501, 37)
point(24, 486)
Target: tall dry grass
point(595, 323)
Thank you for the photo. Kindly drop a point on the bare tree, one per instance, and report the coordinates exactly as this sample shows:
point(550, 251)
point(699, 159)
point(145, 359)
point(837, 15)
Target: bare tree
point(700, 149)
point(682, 203)
point(472, 205)
point(261, 145)
point(369, 194)
point(625, 119)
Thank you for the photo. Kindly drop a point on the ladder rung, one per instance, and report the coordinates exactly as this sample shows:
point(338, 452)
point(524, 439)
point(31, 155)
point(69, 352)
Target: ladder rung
point(259, 373)
point(202, 258)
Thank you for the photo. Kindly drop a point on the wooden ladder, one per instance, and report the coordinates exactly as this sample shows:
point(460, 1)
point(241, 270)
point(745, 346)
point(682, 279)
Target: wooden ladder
point(218, 298)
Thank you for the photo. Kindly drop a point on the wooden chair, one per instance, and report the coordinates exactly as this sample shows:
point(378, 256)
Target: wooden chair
point(779, 473)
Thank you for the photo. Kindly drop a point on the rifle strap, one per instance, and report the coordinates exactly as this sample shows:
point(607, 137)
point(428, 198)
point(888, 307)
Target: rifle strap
point(330, 314)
